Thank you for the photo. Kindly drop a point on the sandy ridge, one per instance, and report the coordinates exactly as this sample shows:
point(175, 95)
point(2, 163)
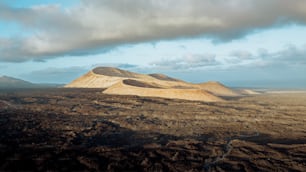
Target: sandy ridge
point(117, 81)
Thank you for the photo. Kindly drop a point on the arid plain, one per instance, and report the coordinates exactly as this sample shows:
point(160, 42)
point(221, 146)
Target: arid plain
point(153, 85)
point(84, 130)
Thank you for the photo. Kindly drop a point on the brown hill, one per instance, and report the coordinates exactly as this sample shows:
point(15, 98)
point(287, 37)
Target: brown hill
point(117, 81)
point(137, 83)
point(104, 77)
point(163, 77)
point(218, 89)
point(147, 90)
point(93, 80)
point(110, 71)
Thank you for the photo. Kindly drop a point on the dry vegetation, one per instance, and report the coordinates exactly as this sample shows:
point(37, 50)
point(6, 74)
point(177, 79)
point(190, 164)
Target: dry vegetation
point(83, 129)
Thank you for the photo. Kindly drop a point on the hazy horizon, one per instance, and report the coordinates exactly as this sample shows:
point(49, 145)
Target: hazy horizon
point(241, 43)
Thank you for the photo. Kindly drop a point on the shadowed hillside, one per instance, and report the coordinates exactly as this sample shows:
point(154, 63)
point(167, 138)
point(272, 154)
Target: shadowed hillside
point(163, 77)
point(109, 71)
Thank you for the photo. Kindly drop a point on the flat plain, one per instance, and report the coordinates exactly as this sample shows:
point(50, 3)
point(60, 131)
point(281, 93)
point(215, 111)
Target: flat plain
point(85, 130)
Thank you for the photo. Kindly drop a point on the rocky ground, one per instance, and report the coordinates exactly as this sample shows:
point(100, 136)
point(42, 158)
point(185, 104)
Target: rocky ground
point(85, 130)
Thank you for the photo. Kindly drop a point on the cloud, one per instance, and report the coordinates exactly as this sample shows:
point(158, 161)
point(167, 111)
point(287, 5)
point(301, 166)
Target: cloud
point(242, 54)
point(239, 56)
point(98, 24)
point(126, 66)
point(292, 55)
point(289, 57)
point(188, 62)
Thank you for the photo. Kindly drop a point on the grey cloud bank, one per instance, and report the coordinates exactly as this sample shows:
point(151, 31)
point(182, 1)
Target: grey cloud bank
point(191, 61)
point(288, 57)
point(97, 24)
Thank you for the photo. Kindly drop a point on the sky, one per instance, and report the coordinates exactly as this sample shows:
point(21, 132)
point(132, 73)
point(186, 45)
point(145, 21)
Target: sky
point(241, 43)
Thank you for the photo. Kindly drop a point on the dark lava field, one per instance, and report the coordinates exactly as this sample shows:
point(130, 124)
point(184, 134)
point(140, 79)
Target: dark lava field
point(85, 130)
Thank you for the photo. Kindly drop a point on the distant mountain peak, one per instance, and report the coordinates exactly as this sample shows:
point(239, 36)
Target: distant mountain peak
point(7, 82)
point(4, 76)
point(10, 82)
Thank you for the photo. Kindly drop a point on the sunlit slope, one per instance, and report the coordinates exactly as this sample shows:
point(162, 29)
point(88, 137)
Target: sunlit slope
point(147, 90)
point(121, 82)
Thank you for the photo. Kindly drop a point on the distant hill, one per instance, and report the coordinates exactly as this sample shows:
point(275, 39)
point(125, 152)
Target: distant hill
point(7, 82)
point(10, 82)
point(117, 81)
